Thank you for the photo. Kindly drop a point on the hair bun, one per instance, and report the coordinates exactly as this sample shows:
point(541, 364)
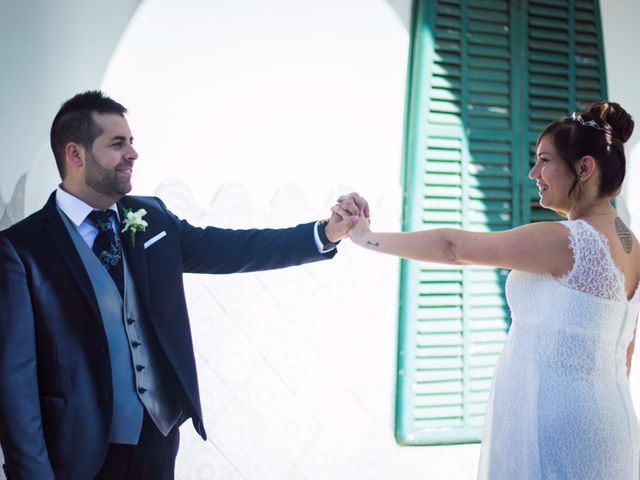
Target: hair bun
point(617, 117)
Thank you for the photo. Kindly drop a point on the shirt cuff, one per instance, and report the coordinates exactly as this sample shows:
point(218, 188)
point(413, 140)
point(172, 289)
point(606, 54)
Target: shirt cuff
point(316, 237)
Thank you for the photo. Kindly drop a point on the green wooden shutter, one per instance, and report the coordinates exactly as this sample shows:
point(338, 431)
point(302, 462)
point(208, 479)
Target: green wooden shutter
point(485, 77)
point(565, 72)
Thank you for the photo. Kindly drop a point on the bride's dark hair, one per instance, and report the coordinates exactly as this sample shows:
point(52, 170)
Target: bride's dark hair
point(600, 132)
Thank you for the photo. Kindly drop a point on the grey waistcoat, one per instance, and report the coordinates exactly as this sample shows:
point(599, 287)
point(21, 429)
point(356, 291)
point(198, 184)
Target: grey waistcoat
point(133, 350)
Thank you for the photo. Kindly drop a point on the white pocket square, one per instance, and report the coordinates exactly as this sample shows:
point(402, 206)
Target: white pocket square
point(153, 240)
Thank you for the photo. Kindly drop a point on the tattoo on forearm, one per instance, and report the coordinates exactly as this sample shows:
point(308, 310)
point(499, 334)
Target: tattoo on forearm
point(624, 234)
point(376, 244)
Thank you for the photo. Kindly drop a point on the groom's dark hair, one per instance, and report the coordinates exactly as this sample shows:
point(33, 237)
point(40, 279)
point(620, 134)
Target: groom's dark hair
point(74, 123)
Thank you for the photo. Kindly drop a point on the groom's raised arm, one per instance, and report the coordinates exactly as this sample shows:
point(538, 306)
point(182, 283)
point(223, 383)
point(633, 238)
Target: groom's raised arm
point(21, 434)
point(219, 250)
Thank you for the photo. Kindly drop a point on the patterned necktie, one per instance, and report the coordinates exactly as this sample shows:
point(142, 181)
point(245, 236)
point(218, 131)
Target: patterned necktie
point(107, 246)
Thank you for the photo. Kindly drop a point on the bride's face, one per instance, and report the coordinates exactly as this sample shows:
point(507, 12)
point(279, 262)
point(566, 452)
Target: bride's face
point(552, 176)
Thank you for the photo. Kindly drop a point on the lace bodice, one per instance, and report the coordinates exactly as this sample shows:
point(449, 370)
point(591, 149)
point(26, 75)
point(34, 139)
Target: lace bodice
point(560, 405)
point(594, 270)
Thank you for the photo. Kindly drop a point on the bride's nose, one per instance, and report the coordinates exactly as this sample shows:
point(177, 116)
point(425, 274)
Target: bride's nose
point(533, 173)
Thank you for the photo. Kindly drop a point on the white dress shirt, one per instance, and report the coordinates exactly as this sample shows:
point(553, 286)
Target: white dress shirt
point(77, 211)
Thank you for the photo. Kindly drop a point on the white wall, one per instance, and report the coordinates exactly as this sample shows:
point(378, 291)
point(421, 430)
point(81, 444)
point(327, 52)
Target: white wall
point(619, 22)
point(49, 51)
point(266, 93)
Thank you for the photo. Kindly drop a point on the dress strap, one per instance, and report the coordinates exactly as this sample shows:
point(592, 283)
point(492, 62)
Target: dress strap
point(593, 269)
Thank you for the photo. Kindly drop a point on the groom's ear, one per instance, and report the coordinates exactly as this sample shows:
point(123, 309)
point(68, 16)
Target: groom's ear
point(74, 154)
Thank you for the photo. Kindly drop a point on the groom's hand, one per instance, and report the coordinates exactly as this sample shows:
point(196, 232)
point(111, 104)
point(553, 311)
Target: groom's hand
point(344, 215)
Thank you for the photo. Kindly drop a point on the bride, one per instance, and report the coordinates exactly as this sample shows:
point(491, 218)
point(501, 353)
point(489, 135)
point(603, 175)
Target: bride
point(560, 405)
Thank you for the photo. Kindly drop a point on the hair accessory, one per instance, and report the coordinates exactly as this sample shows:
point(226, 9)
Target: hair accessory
point(577, 117)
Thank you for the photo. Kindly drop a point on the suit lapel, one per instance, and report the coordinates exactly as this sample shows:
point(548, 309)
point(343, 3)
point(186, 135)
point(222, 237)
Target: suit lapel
point(136, 258)
point(59, 236)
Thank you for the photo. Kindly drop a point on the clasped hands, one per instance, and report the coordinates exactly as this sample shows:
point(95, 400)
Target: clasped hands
point(351, 210)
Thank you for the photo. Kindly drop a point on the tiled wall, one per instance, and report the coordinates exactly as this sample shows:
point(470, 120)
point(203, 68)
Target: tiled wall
point(297, 366)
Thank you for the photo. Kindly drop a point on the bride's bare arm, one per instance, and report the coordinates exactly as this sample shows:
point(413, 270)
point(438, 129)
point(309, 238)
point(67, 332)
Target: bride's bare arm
point(538, 248)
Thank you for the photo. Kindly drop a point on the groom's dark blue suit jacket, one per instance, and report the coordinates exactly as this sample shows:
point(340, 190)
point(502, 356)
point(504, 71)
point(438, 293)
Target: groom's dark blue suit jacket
point(55, 374)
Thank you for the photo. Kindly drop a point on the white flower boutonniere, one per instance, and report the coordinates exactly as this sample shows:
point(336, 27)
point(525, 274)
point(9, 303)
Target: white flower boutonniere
point(133, 223)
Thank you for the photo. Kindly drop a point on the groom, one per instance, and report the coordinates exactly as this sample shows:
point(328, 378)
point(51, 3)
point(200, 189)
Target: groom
point(96, 359)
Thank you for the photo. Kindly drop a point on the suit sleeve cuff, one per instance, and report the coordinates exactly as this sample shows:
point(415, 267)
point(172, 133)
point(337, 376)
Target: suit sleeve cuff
point(316, 236)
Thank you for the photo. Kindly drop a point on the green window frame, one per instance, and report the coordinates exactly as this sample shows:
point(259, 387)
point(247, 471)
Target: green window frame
point(485, 77)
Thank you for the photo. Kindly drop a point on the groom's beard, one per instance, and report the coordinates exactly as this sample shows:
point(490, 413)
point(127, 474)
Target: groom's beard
point(106, 181)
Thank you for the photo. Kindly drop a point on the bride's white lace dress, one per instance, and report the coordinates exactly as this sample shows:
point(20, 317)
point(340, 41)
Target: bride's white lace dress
point(560, 405)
